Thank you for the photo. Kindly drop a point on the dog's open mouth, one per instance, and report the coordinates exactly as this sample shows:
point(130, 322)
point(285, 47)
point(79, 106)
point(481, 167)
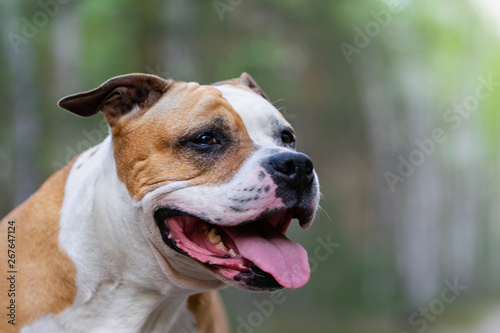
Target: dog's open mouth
point(257, 254)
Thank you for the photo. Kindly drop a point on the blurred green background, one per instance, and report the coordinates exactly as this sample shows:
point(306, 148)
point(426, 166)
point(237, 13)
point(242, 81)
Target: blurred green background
point(396, 102)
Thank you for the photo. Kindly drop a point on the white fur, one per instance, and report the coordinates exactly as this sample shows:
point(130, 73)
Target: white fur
point(259, 116)
point(120, 287)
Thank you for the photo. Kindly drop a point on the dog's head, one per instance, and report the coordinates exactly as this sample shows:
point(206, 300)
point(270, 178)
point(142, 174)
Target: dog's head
point(215, 172)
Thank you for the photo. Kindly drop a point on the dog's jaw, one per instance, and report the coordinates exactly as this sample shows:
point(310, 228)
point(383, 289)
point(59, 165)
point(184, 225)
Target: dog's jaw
point(256, 255)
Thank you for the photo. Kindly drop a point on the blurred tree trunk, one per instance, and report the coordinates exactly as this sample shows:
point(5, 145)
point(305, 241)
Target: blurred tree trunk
point(410, 208)
point(178, 49)
point(434, 209)
point(67, 51)
point(24, 102)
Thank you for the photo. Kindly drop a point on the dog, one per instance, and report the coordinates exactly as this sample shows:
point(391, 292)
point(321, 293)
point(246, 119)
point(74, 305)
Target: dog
point(193, 190)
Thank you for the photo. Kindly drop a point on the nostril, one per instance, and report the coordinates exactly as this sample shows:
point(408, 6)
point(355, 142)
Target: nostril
point(308, 167)
point(288, 167)
point(284, 166)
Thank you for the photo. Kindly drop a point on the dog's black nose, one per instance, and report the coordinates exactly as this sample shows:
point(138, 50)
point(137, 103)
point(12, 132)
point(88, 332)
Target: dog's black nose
point(293, 169)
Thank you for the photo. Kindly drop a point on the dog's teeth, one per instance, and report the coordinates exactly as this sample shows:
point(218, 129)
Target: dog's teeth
point(231, 252)
point(221, 246)
point(212, 233)
point(213, 237)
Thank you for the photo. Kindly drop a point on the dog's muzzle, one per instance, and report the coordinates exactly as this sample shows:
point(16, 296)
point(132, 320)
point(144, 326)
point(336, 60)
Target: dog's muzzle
point(293, 173)
point(252, 252)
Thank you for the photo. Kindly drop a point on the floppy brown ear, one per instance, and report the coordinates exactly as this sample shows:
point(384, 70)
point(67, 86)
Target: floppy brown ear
point(247, 81)
point(117, 96)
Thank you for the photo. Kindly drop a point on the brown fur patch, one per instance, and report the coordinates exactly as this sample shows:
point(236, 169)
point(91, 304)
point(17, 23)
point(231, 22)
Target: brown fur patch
point(209, 312)
point(45, 278)
point(146, 147)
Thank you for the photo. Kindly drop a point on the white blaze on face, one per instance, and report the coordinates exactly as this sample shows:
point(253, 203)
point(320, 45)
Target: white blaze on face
point(260, 117)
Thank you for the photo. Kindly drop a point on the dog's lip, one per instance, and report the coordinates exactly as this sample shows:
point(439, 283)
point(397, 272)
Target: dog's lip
point(187, 234)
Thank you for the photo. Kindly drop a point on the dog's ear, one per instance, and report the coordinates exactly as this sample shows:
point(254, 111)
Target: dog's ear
point(247, 81)
point(117, 96)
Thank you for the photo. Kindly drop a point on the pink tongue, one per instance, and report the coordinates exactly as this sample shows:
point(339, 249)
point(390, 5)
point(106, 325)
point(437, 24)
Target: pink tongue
point(272, 252)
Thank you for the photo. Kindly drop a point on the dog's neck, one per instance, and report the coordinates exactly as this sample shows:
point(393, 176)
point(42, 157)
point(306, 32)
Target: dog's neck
point(124, 307)
point(121, 309)
point(122, 288)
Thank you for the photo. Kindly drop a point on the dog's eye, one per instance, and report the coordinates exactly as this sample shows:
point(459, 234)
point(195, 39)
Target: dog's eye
point(287, 137)
point(206, 139)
